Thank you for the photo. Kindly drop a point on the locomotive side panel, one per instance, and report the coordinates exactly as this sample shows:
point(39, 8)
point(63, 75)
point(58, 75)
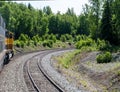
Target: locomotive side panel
point(6, 44)
point(2, 47)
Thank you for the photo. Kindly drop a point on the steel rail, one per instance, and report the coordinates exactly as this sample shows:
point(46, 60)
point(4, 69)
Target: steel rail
point(57, 86)
point(31, 78)
point(49, 78)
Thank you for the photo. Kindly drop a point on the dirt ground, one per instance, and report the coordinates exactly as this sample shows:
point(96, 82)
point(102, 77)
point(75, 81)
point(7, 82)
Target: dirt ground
point(91, 76)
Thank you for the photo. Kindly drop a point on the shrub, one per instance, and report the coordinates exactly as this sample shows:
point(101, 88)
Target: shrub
point(52, 37)
point(103, 45)
point(63, 38)
point(68, 37)
point(22, 44)
point(77, 38)
point(118, 73)
point(82, 43)
point(48, 43)
point(17, 43)
point(23, 37)
point(104, 57)
point(31, 43)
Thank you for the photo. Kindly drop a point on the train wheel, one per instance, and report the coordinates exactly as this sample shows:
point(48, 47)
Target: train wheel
point(6, 60)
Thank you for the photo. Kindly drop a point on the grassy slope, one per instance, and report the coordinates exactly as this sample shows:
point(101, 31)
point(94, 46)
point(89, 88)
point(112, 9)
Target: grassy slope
point(111, 70)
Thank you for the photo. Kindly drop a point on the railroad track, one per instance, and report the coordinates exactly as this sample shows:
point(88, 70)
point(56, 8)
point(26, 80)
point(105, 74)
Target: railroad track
point(36, 78)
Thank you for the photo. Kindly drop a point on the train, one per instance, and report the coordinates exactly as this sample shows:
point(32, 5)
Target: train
point(6, 44)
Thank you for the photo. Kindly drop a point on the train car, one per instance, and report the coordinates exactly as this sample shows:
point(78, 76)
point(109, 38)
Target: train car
point(6, 44)
point(2, 42)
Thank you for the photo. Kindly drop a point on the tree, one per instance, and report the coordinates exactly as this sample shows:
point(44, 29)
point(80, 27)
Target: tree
point(47, 10)
point(83, 28)
point(106, 26)
point(95, 16)
point(30, 6)
point(70, 11)
point(6, 12)
point(53, 25)
point(116, 22)
point(44, 26)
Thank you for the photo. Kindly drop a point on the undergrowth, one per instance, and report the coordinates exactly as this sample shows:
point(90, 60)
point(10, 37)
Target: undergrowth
point(66, 59)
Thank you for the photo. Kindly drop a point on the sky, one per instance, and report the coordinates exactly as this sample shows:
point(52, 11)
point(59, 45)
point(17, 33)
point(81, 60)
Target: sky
point(58, 5)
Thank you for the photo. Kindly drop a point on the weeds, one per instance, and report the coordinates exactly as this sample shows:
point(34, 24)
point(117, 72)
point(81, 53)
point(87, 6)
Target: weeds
point(66, 59)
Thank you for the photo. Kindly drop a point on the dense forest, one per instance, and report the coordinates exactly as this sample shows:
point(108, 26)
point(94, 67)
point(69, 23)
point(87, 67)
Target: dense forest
point(99, 21)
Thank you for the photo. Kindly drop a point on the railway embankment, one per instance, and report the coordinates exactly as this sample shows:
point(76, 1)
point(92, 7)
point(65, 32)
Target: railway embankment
point(83, 74)
point(86, 73)
point(12, 77)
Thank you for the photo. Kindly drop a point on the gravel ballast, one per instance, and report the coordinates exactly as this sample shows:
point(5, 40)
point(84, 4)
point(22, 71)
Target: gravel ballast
point(57, 77)
point(11, 77)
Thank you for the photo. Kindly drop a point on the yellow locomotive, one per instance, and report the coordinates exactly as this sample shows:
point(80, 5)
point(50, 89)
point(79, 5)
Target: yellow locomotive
point(6, 44)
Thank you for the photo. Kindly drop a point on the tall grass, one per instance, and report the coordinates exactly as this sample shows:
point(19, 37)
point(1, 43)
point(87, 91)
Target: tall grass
point(66, 59)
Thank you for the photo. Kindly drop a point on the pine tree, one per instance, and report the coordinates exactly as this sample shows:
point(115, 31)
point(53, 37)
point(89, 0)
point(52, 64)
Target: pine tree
point(116, 22)
point(106, 24)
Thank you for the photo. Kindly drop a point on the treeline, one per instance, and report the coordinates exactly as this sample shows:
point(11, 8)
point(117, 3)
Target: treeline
point(24, 19)
point(99, 19)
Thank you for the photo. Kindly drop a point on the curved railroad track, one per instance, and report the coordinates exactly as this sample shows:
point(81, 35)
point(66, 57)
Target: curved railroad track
point(36, 78)
point(15, 78)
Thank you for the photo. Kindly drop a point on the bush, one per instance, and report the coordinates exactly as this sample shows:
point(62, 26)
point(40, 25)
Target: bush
point(82, 43)
point(23, 37)
point(22, 44)
point(77, 38)
point(17, 43)
point(105, 57)
point(48, 43)
point(63, 38)
point(103, 45)
point(68, 37)
point(31, 43)
point(89, 42)
point(53, 37)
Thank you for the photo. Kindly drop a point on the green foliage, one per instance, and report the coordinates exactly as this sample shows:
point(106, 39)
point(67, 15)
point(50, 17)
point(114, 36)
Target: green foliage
point(49, 37)
point(105, 57)
point(77, 38)
point(52, 37)
point(48, 43)
point(23, 37)
point(30, 43)
point(63, 38)
point(68, 37)
point(47, 10)
point(103, 45)
point(83, 27)
point(116, 22)
point(22, 44)
point(36, 40)
point(94, 13)
point(118, 73)
point(85, 42)
point(19, 44)
point(106, 26)
point(66, 59)
point(68, 27)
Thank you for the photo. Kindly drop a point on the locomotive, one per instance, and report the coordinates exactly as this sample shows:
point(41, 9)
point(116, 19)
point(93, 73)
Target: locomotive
point(6, 44)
